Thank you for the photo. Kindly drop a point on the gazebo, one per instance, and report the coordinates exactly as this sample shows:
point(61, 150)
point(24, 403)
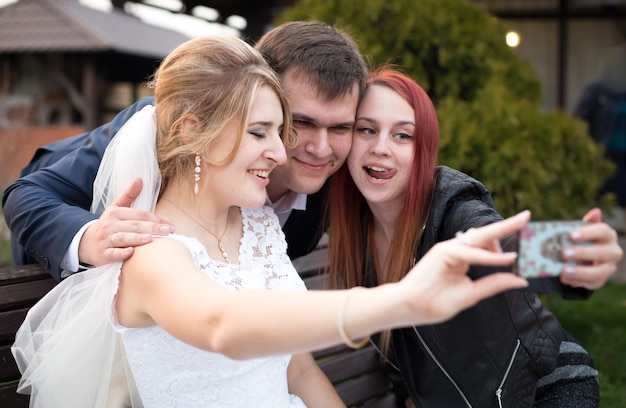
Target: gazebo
point(58, 57)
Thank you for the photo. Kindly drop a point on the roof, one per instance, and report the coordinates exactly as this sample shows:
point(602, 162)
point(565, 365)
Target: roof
point(47, 26)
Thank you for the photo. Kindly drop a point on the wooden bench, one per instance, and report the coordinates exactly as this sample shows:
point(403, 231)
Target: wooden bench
point(355, 373)
point(20, 288)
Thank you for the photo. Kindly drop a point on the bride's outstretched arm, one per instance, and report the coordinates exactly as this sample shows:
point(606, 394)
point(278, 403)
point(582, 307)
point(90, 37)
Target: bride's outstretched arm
point(160, 285)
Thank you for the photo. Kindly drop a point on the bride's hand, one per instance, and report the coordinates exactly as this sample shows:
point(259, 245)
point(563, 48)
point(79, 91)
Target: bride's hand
point(438, 286)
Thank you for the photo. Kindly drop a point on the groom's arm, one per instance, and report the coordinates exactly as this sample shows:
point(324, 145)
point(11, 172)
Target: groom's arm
point(47, 207)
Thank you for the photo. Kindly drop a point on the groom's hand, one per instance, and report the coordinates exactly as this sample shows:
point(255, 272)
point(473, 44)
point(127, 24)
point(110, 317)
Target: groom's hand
point(119, 229)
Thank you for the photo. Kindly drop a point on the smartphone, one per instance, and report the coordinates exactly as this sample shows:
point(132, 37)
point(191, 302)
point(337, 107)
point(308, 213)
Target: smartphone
point(540, 246)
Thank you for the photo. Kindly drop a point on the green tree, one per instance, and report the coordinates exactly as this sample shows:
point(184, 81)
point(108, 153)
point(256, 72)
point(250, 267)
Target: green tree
point(487, 98)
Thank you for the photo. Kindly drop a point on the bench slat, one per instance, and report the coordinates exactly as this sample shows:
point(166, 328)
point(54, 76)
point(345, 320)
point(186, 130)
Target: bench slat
point(316, 282)
point(8, 368)
point(366, 387)
point(24, 294)
point(11, 321)
point(9, 398)
point(350, 364)
point(14, 274)
point(388, 401)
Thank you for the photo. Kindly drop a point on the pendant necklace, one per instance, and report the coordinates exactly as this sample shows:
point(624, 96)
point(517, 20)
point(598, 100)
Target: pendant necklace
point(219, 242)
point(220, 245)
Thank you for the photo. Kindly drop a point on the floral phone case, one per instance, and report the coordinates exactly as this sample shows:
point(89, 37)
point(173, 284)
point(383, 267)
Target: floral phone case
point(540, 247)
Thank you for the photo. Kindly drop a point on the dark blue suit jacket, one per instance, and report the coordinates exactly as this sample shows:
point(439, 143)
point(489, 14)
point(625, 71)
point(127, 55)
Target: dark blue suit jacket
point(47, 206)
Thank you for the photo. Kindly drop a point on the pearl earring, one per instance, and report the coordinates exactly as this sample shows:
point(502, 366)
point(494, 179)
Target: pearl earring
point(196, 175)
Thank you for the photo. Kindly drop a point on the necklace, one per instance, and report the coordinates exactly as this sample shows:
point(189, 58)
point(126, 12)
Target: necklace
point(219, 242)
point(220, 245)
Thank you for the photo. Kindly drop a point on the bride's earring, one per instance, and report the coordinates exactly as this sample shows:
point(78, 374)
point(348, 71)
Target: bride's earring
point(196, 175)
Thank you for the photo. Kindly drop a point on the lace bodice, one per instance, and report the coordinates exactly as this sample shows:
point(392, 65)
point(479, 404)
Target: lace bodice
point(170, 373)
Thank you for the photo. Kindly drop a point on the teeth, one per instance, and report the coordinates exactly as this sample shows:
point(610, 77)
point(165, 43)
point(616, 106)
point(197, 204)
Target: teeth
point(260, 173)
point(375, 168)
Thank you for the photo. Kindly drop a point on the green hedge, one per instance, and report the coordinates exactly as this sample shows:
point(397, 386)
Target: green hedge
point(545, 162)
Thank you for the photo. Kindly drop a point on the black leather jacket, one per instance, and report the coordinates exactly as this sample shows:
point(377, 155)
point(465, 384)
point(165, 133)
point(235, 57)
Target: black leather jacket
point(492, 354)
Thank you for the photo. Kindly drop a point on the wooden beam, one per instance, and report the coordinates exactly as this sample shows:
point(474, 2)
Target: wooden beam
point(76, 99)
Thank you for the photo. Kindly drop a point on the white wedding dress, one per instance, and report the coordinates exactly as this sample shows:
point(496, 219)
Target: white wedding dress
point(72, 353)
point(170, 373)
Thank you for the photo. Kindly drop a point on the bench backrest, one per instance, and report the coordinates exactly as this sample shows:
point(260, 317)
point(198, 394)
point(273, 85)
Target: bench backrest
point(356, 374)
point(20, 288)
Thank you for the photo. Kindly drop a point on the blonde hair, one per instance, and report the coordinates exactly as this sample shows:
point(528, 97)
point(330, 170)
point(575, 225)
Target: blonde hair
point(213, 80)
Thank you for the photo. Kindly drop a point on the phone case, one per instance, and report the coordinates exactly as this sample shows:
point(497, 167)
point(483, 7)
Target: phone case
point(540, 247)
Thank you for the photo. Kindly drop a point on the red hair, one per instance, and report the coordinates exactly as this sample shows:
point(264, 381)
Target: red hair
point(347, 210)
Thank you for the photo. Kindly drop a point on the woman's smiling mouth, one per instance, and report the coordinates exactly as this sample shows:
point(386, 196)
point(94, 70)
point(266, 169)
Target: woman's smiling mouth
point(379, 173)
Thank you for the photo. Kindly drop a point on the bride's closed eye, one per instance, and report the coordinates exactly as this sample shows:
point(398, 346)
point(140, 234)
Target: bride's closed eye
point(258, 133)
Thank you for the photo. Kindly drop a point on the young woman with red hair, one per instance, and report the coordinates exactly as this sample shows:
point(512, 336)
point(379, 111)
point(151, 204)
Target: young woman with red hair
point(390, 204)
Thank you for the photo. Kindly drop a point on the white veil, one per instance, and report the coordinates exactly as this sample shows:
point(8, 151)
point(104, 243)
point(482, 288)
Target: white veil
point(66, 349)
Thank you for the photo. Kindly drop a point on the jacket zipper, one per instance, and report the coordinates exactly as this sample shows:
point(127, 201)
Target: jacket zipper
point(506, 374)
point(430, 353)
